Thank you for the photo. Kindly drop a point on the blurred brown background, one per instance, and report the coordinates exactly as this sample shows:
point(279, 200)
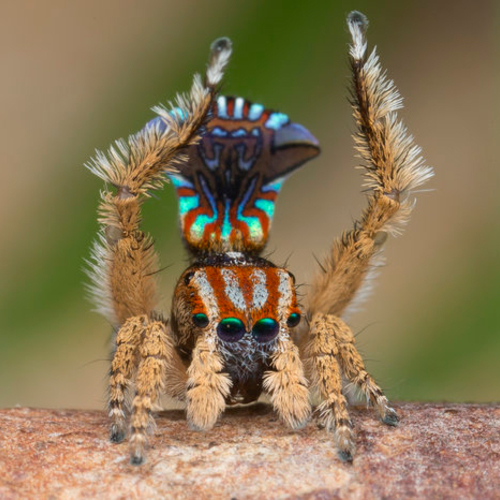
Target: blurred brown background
point(77, 75)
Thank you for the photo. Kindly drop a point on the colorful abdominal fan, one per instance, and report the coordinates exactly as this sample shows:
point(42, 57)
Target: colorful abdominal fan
point(227, 190)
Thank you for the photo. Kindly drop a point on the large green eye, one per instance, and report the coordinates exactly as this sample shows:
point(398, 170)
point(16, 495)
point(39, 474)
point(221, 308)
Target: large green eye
point(265, 330)
point(230, 329)
point(200, 320)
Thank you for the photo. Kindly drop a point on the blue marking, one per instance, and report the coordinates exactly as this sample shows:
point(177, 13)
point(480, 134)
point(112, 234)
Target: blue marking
point(219, 132)
point(180, 182)
point(198, 227)
point(275, 185)
point(222, 107)
point(266, 206)
point(178, 112)
point(256, 132)
point(255, 112)
point(238, 108)
point(226, 225)
point(188, 203)
point(253, 223)
point(241, 132)
point(276, 121)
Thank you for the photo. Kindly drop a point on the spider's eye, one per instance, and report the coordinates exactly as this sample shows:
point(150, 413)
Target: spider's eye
point(188, 277)
point(230, 329)
point(200, 320)
point(293, 320)
point(265, 330)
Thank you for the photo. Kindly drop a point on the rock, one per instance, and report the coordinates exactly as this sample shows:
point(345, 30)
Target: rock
point(438, 451)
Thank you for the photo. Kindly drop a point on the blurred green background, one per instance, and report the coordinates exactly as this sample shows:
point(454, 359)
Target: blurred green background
point(77, 75)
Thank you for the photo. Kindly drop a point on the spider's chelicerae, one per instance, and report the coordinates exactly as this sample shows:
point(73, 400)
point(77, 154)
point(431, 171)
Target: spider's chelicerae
point(236, 329)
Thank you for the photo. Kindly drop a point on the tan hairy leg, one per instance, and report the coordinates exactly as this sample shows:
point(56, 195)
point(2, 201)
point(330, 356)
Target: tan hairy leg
point(287, 385)
point(207, 386)
point(155, 353)
point(322, 352)
point(354, 369)
point(123, 367)
point(392, 168)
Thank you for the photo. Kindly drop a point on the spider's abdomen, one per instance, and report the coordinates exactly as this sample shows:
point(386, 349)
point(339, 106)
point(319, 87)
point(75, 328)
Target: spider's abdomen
point(228, 189)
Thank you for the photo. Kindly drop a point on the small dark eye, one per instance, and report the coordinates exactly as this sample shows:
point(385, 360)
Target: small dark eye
point(293, 320)
point(265, 330)
point(230, 329)
point(188, 277)
point(200, 320)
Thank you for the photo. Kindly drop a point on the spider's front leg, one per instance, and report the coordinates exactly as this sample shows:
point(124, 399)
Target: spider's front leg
point(207, 386)
point(331, 352)
point(287, 385)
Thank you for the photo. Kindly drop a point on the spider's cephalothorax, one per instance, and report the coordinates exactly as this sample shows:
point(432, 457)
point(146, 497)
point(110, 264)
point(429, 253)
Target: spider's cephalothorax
point(244, 306)
point(235, 328)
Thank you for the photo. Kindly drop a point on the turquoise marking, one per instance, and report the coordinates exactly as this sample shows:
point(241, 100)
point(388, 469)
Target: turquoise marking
point(255, 112)
point(198, 227)
point(179, 112)
point(275, 185)
point(266, 206)
point(276, 121)
point(226, 225)
point(180, 182)
point(253, 223)
point(222, 106)
point(188, 203)
point(219, 132)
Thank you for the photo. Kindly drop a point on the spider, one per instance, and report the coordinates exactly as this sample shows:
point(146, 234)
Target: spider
point(236, 329)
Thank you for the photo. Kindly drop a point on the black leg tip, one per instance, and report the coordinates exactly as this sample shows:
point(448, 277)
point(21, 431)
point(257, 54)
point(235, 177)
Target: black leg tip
point(391, 419)
point(345, 456)
point(117, 436)
point(136, 460)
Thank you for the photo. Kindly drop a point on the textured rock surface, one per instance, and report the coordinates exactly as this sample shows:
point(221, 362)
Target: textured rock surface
point(438, 451)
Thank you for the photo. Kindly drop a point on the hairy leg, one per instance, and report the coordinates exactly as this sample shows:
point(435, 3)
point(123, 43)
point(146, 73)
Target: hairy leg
point(322, 352)
point(354, 369)
point(330, 336)
point(287, 384)
point(155, 353)
point(393, 168)
point(207, 386)
point(123, 367)
point(124, 263)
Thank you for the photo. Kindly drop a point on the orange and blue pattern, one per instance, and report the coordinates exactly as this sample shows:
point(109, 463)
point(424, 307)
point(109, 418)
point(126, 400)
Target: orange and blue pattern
point(228, 188)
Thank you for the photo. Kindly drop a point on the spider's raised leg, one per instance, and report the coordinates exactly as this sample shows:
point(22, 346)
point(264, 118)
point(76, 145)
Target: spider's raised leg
point(124, 261)
point(393, 168)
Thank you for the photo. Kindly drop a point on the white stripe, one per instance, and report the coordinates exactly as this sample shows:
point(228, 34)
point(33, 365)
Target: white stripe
point(233, 290)
point(238, 107)
point(260, 293)
point(207, 295)
point(285, 296)
point(222, 107)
